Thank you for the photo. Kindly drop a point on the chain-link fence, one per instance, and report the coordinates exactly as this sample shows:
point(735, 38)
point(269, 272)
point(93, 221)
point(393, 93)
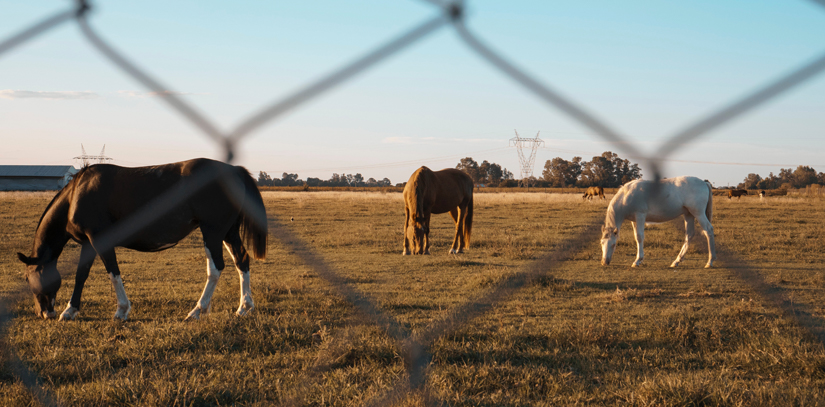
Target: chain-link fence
point(414, 348)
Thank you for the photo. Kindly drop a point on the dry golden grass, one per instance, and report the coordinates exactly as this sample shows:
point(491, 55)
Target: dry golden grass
point(584, 334)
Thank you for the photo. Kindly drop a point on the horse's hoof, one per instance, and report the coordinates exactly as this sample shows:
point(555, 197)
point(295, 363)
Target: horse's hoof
point(244, 308)
point(406, 253)
point(69, 314)
point(452, 251)
point(194, 315)
point(707, 266)
point(673, 265)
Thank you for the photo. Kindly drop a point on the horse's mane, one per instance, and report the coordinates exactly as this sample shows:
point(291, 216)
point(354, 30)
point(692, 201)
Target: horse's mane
point(419, 187)
point(69, 185)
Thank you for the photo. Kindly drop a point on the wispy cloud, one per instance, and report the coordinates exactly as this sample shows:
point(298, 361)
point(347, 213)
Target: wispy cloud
point(398, 140)
point(34, 94)
point(140, 94)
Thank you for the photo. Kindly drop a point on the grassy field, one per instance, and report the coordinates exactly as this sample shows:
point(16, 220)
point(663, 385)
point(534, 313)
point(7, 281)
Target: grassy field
point(581, 335)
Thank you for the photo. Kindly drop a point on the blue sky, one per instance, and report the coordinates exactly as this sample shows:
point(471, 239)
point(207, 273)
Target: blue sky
point(648, 69)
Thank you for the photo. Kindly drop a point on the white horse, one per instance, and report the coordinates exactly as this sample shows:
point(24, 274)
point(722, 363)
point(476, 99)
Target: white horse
point(639, 202)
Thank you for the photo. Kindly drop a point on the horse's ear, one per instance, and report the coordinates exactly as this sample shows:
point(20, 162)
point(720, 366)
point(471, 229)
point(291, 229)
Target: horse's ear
point(25, 259)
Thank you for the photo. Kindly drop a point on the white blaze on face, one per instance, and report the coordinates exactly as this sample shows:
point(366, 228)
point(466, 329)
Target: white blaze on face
point(608, 243)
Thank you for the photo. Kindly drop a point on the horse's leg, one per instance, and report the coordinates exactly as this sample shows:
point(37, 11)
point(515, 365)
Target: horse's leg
point(427, 234)
point(707, 229)
point(689, 232)
point(214, 267)
point(123, 305)
point(639, 232)
point(406, 230)
point(456, 213)
point(235, 247)
point(87, 257)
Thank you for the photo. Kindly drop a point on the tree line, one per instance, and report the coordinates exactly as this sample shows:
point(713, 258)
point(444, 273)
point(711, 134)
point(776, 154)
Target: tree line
point(801, 177)
point(608, 170)
point(337, 180)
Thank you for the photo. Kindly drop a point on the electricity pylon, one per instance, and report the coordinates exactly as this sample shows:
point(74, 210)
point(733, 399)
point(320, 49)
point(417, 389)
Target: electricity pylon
point(526, 161)
point(86, 159)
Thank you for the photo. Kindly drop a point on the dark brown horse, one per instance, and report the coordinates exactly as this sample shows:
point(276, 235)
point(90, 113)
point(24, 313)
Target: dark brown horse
point(429, 192)
point(103, 200)
point(592, 192)
point(737, 193)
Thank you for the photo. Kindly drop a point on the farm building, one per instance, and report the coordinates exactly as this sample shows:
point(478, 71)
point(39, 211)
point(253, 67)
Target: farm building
point(35, 177)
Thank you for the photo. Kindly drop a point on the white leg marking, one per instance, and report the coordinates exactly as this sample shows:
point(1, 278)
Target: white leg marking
point(246, 303)
point(70, 313)
point(123, 304)
point(212, 276)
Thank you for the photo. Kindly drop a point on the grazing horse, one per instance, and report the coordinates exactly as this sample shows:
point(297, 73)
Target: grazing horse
point(644, 201)
point(593, 192)
point(428, 192)
point(103, 198)
point(761, 194)
point(736, 193)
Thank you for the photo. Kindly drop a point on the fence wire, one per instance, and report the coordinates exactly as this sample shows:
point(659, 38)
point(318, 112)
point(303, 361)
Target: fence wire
point(414, 348)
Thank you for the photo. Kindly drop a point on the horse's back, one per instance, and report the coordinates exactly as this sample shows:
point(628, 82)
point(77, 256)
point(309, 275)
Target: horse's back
point(439, 191)
point(671, 198)
point(105, 194)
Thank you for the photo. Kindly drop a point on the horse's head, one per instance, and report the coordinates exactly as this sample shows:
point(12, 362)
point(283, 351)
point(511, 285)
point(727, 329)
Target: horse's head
point(420, 231)
point(609, 237)
point(44, 281)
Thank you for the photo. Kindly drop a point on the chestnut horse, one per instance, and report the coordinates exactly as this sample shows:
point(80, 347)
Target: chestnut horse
point(643, 201)
point(104, 199)
point(428, 192)
point(593, 192)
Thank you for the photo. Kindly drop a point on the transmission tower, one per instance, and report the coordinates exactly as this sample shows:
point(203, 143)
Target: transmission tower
point(526, 161)
point(86, 159)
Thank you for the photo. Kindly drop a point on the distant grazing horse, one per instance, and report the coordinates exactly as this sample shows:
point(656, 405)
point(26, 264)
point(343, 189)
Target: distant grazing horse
point(761, 194)
point(639, 202)
point(736, 193)
point(429, 192)
point(103, 197)
point(593, 192)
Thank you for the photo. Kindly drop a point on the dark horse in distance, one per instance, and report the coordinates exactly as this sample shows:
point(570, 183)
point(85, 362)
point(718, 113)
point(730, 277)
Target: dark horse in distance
point(103, 198)
point(429, 192)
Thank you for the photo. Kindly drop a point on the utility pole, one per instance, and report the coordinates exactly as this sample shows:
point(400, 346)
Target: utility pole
point(86, 159)
point(526, 161)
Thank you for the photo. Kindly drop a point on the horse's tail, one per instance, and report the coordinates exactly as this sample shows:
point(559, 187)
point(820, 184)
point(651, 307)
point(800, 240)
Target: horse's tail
point(253, 217)
point(468, 222)
point(709, 208)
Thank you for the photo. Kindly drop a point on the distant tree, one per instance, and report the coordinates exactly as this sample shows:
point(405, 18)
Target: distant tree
point(803, 176)
point(559, 172)
point(752, 181)
point(494, 174)
point(313, 182)
point(506, 175)
point(290, 179)
point(264, 179)
point(385, 182)
point(608, 170)
point(469, 166)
